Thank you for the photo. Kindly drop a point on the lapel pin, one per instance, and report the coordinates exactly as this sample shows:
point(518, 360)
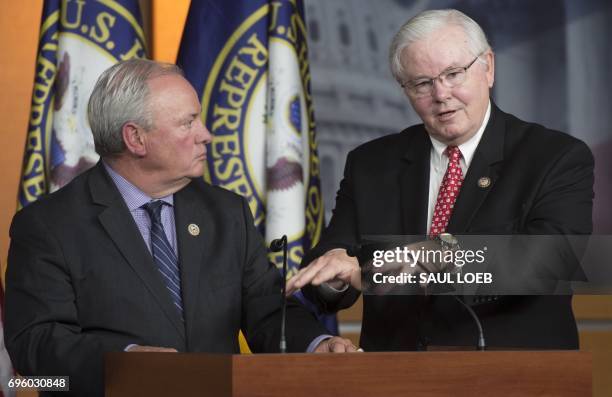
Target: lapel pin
point(484, 182)
point(193, 229)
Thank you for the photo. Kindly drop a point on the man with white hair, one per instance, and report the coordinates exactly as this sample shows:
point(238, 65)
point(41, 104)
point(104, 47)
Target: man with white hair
point(469, 168)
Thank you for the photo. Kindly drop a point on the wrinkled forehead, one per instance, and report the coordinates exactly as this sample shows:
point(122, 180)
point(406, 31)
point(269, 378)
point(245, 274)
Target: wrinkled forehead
point(441, 49)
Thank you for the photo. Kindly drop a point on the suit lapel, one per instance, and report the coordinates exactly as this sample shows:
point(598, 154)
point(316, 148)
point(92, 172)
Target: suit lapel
point(414, 184)
point(122, 230)
point(485, 164)
point(193, 243)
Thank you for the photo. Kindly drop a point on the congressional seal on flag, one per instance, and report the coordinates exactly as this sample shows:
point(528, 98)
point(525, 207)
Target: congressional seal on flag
point(249, 60)
point(78, 40)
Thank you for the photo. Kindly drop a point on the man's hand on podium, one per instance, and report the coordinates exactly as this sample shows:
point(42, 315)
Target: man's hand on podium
point(156, 349)
point(336, 344)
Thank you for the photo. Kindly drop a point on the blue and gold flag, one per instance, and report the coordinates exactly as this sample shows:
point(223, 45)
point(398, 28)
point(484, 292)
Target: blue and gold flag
point(78, 41)
point(248, 61)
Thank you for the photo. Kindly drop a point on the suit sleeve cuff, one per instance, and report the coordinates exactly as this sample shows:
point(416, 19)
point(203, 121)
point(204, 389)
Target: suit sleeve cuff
point(313, 345)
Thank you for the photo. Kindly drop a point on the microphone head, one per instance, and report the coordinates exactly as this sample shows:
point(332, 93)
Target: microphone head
point(277, 244)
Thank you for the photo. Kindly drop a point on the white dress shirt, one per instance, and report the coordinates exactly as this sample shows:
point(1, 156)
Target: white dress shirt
point(439, 162)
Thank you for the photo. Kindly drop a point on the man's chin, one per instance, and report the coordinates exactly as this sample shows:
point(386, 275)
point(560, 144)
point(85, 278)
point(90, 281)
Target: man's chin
point(197, 171)
point(451, 134)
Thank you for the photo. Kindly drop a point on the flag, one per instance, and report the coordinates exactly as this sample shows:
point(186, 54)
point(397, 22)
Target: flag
point(78, 41)
point(248, 61)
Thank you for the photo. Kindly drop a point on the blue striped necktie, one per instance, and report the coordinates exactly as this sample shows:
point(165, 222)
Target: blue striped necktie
point(163, 254)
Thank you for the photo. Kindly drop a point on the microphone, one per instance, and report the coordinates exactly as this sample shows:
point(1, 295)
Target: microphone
point(481, 339)
point(276, 246)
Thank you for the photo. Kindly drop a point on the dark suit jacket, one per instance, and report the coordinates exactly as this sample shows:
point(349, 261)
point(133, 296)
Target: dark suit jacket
point(541, 184)
point(81, 282)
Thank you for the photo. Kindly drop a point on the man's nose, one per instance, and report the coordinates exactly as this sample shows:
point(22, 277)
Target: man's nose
point(203, 134)
point(439, 91)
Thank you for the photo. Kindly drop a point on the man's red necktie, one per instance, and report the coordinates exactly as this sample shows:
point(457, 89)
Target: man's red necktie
point(449, 190)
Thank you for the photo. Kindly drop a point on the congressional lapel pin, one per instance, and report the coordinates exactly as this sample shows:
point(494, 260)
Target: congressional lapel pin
point(193, 229)
point(484, 182)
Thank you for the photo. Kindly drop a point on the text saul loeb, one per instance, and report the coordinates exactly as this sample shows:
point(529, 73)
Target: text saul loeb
point(434, 266)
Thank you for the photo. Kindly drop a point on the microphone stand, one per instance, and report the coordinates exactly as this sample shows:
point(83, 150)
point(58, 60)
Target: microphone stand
point(450, 242)
point(275, 246)
point(481, 340)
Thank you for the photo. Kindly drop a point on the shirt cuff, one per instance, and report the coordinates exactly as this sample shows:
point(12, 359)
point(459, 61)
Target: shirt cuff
point(128, 347)
point(313, 345)
point(332, 290)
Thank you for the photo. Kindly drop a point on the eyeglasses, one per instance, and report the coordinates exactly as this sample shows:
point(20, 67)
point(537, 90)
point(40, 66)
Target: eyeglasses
point(449, 78)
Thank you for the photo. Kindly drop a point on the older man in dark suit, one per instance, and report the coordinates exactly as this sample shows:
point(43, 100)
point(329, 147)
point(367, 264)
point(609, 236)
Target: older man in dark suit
point(138, 253)
point(469, 168)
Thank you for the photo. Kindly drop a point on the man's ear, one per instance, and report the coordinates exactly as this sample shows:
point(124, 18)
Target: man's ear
point(490, 58)
point(134, 139)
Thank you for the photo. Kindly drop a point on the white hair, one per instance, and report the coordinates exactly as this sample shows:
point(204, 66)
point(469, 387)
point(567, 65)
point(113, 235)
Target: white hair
point(119, 96)
point(423, 24)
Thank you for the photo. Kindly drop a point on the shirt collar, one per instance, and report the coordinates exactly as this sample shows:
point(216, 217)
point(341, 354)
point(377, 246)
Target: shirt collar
point(133, 197)
point(467, 148)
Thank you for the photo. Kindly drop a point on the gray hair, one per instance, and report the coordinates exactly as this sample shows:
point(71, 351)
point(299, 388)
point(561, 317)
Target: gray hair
point(423, 24)
point(121, 95)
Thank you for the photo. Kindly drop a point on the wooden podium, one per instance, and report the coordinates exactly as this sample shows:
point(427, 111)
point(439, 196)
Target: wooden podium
point(491, 373)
